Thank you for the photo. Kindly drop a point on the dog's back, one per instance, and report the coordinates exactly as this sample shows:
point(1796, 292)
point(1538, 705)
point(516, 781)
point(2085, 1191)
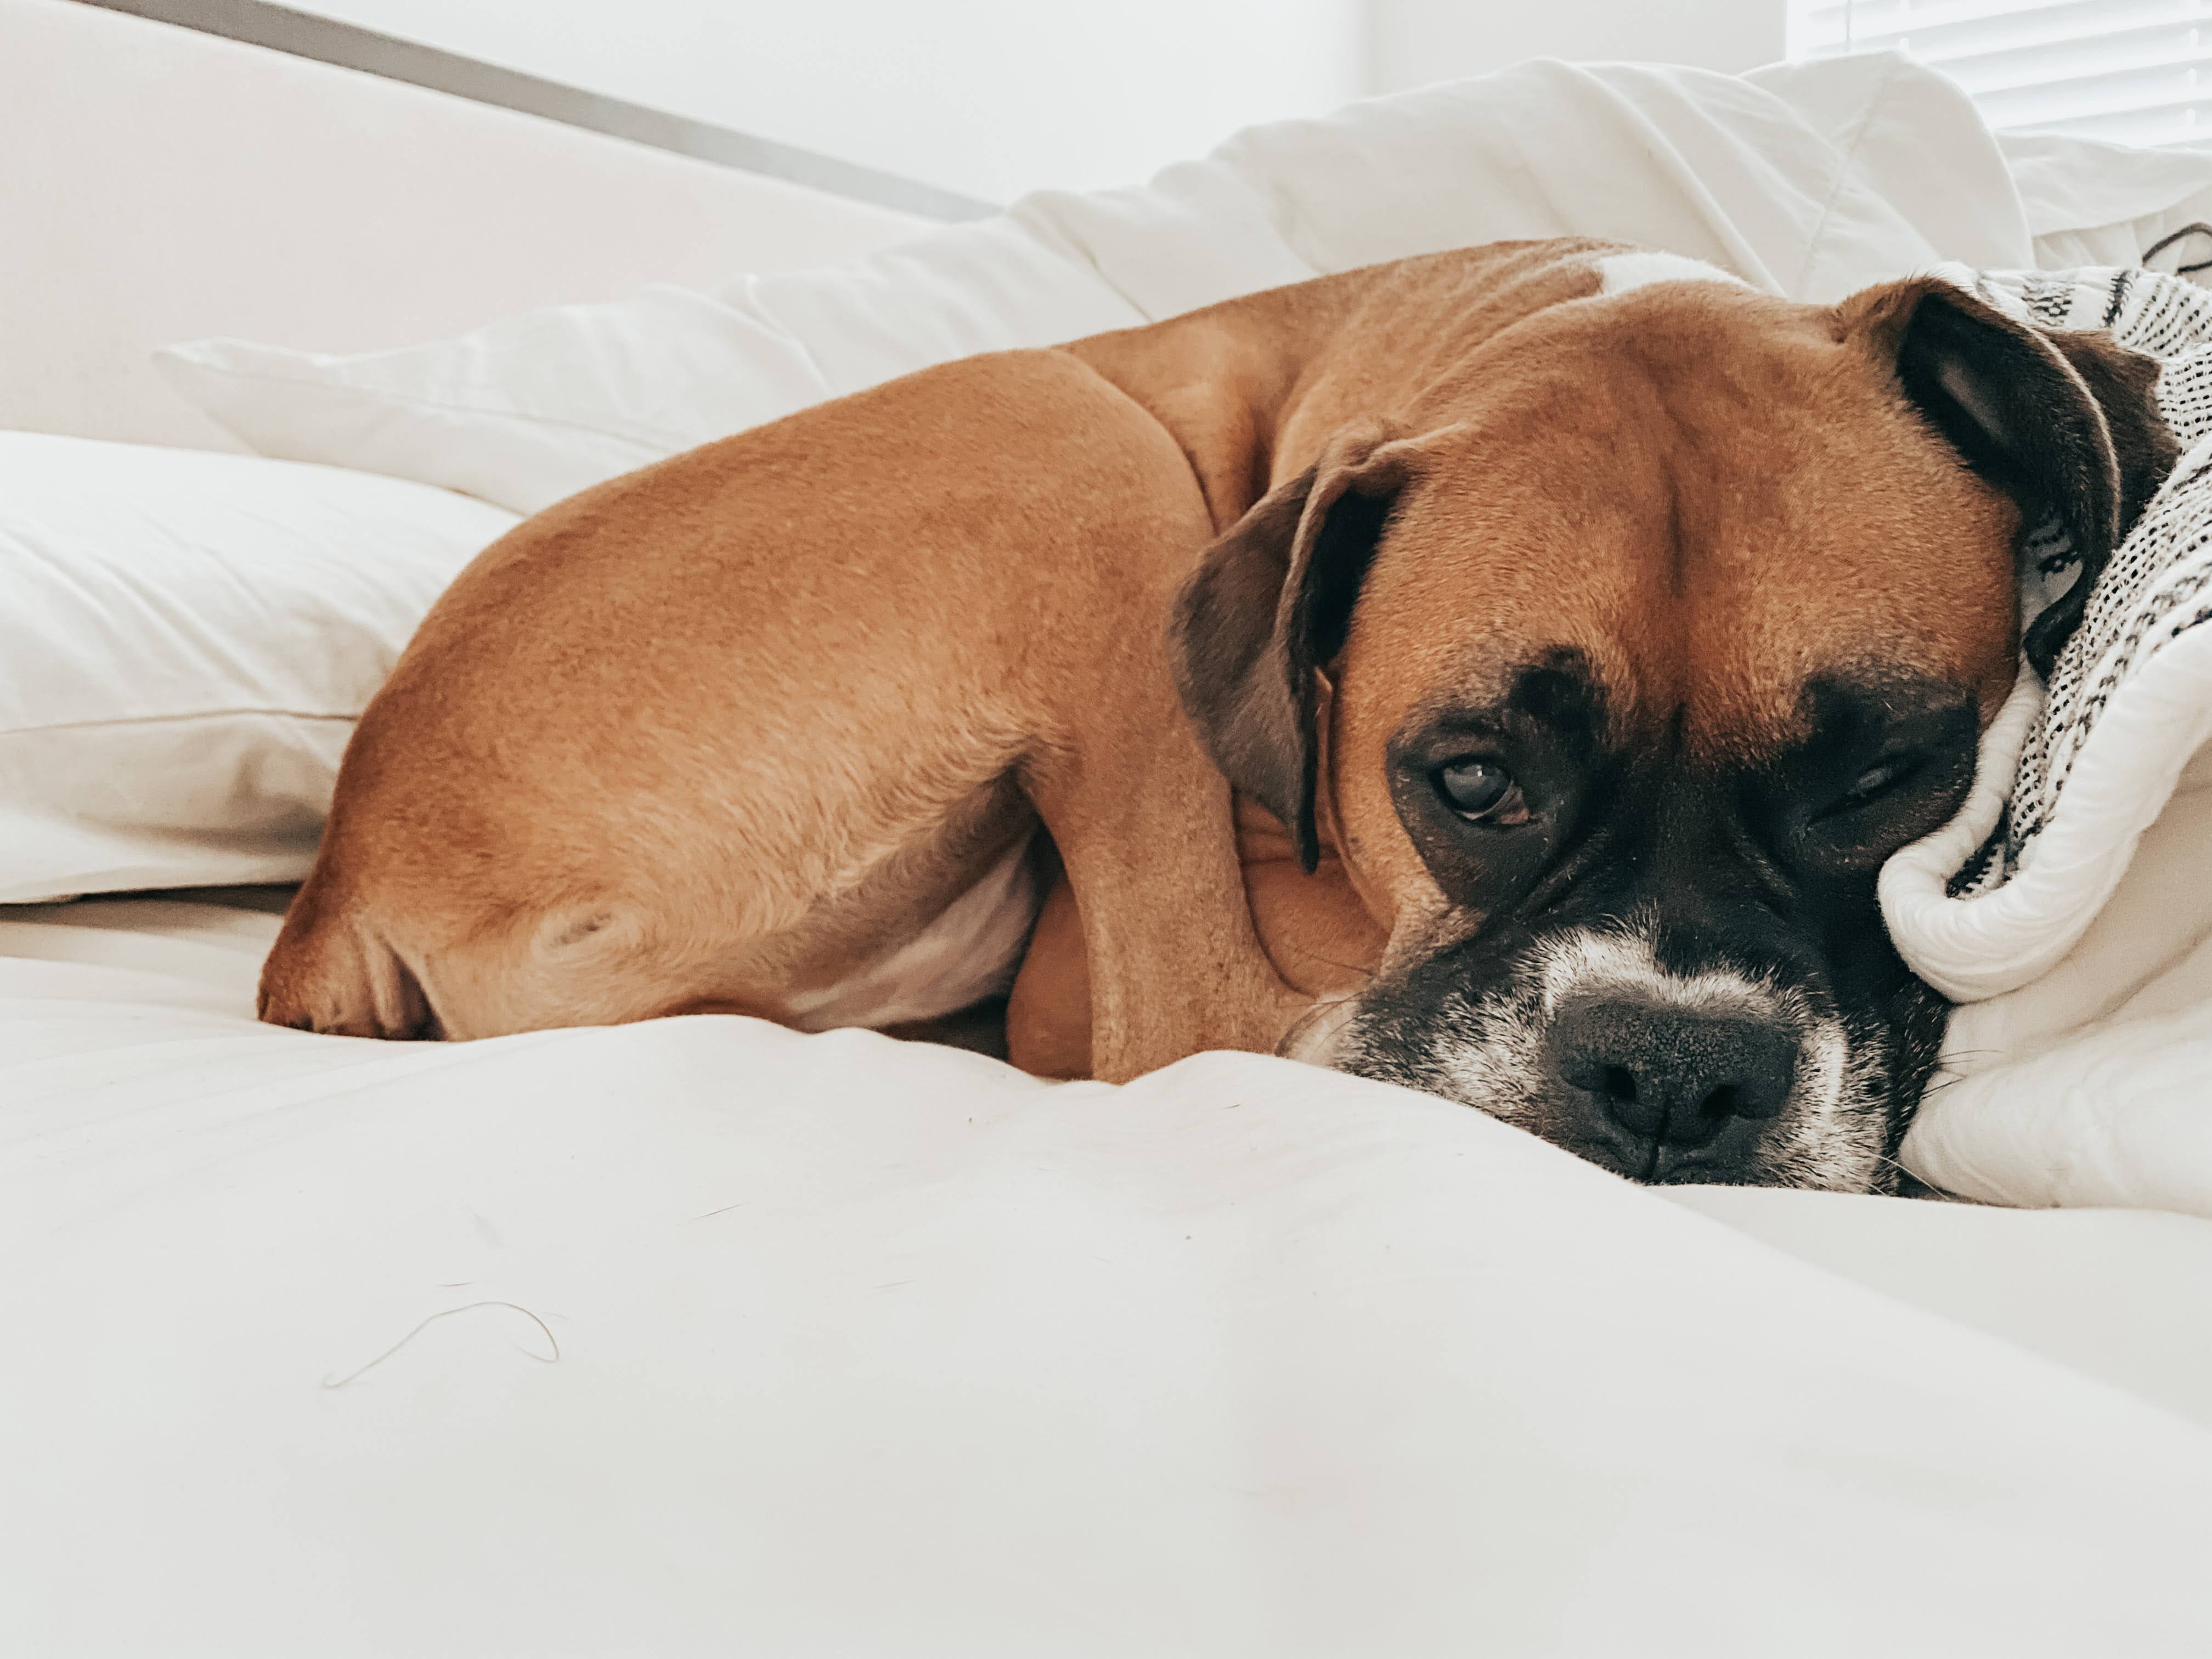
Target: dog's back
point(719, 733)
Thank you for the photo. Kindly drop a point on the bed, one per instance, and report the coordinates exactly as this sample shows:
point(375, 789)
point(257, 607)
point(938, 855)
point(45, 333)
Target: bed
point(700, 1335)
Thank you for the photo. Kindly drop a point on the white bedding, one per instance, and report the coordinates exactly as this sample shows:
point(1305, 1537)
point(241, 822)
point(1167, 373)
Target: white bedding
point(1244, 1358)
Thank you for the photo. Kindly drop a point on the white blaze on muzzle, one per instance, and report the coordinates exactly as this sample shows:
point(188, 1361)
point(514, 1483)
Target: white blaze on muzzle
point(1597, 965)
point(1493, 1050)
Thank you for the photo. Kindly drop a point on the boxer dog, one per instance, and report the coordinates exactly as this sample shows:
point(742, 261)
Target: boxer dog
point(1502, 672)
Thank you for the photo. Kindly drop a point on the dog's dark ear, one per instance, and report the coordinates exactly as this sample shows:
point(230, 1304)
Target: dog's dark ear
point(2064, 423)
point(1268, 609)
point(2124, 382)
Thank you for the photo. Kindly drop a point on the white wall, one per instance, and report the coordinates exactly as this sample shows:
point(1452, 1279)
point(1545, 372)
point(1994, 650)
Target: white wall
point(995, 97)
point(989, 97)
point(1414, 42)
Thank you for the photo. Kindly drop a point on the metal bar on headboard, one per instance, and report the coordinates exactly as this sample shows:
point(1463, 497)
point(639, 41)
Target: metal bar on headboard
point(303, 34)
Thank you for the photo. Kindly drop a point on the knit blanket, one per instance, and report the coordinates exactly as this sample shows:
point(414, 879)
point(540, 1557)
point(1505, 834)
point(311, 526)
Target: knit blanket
point(2085, 1016)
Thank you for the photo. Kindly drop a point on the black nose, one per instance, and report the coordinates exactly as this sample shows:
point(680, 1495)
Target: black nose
point(1673, 1078)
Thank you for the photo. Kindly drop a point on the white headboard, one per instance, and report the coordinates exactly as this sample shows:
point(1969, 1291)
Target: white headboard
point(159, 185)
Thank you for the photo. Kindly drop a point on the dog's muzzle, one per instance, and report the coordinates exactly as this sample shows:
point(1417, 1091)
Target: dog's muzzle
point(1722, 1074)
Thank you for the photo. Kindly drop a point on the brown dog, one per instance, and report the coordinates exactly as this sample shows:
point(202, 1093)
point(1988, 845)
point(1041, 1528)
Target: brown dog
point(1591, 649)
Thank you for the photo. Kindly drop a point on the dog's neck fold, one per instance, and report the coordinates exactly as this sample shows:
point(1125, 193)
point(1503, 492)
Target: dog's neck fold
point(1252, 389)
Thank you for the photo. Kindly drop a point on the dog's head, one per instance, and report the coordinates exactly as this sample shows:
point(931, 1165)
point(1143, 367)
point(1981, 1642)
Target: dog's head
point(1617, 664)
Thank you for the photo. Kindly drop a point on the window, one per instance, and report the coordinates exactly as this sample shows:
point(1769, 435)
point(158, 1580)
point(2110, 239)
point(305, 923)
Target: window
point(2133, 71)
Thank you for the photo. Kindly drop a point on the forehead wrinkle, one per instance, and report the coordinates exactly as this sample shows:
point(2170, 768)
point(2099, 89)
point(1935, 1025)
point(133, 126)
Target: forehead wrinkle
point(1862, 541)
point(1494, 674)
point(1482, 674)
point(1755, 642)
point(1600, 493)
point(1503, 552)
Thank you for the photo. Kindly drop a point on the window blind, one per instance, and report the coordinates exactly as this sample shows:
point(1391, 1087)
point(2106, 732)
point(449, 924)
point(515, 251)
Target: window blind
point(2133, 71)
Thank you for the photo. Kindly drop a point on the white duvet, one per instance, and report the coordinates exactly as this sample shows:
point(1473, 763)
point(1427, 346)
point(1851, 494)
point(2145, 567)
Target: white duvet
point(699, 1336)
point(702, 1337)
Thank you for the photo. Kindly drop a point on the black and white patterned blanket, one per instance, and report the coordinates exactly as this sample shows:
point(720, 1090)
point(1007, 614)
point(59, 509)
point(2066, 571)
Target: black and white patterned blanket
point(2073, 773)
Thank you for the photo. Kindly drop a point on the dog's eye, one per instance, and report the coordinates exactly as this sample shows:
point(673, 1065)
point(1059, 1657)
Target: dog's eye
point(1481, 791)
point(1876, 780)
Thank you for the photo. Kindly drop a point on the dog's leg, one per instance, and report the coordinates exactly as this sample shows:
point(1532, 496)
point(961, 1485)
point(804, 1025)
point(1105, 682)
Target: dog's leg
point(1048, 1009)
point(338, 975)
point(1314, 928)
point(1143, 823)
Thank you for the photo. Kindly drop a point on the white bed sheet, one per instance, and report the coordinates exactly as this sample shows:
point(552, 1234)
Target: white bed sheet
point(2124, 1295)
point(866, 1347)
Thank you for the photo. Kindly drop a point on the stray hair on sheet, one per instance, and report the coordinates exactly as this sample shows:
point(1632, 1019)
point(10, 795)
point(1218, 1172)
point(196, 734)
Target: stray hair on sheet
point(552, 1341)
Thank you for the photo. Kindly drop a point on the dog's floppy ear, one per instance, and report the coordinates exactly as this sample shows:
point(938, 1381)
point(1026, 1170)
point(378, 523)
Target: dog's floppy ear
point(2124, 382)
point(1267, 609)
point(2064, 423)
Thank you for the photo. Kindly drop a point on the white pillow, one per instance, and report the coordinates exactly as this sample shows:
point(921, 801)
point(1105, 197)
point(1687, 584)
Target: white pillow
point(536, 407)
point(1808, 180)
point(186, 641)
point(2095, 203)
